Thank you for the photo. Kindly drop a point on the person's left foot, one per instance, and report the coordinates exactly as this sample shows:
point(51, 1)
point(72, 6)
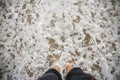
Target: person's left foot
point(56, 67)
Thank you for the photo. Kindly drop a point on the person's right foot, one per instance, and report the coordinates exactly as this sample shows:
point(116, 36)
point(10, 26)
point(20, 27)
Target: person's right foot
point(68, 66)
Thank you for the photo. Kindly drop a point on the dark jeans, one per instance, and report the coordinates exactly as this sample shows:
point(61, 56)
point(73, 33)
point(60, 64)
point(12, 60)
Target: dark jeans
point(74, 74)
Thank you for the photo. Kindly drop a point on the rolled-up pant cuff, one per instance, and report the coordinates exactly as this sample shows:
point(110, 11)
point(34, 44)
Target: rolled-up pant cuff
point(51, 74)
point(77, 74)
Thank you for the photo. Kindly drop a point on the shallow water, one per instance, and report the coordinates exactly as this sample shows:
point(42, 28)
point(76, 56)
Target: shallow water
point(36, 33)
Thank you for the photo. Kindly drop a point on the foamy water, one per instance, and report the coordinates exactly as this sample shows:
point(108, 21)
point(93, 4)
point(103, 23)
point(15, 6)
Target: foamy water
point(36, 33)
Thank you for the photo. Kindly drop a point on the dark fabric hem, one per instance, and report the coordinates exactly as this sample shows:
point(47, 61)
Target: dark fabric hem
point(77, 73)
point(73, 71)
point(55, 72)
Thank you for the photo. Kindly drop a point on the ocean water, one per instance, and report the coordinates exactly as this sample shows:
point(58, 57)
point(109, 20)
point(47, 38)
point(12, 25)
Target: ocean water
point(36, 33)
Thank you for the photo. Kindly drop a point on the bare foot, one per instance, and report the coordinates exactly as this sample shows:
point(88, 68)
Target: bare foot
point(68, 66)
point(56, 67)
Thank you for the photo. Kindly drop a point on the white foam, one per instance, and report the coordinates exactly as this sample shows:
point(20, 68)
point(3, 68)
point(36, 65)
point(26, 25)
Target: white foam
point(35, 33)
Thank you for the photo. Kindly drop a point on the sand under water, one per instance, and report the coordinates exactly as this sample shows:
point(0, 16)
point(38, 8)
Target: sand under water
point(36, 33)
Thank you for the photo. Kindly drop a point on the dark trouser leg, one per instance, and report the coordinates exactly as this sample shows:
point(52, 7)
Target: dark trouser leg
point(51, 74)
point(78, 74)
